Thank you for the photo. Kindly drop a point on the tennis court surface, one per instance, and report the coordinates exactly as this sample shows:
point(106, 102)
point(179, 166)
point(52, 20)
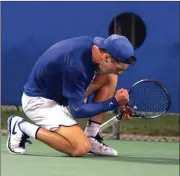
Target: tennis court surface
point(135, 159)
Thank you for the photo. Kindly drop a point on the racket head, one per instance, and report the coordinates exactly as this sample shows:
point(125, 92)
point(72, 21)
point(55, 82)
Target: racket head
point(149, 99)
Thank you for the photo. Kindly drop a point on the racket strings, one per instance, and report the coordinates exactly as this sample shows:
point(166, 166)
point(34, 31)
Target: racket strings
point(149, 98)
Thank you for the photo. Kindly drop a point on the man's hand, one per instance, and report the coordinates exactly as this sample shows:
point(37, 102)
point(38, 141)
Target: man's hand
point(122, 97)
point(127, 112)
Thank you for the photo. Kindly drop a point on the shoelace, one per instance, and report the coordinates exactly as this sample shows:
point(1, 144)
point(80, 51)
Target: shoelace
point(100, 139)
point(24, 140)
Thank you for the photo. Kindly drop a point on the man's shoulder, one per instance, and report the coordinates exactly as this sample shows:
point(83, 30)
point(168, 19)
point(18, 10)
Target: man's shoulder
point(81, 40)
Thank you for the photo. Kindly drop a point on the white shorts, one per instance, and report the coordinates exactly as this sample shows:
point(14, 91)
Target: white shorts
point(46, 113)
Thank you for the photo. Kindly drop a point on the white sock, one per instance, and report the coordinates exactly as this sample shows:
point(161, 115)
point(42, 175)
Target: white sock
point(29, 129)
point(92, 128)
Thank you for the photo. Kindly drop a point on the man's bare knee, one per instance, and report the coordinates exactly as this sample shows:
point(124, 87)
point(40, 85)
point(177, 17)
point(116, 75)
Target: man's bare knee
point(78, 140)
point(81, 149)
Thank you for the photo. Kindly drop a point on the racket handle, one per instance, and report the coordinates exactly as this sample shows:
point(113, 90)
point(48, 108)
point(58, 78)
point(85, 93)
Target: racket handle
point(110, 122)
point(120, 116)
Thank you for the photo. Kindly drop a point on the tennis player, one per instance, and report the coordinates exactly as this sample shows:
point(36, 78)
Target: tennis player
point(66, 74)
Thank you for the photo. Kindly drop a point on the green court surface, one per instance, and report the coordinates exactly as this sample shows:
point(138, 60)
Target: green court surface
point(135, 159)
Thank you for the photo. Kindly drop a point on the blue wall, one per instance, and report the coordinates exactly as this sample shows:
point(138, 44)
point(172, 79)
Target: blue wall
point(28, 28)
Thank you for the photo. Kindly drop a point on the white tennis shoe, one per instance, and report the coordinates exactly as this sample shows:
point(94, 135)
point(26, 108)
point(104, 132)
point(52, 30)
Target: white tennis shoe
point(99, 148)
point(16, 138)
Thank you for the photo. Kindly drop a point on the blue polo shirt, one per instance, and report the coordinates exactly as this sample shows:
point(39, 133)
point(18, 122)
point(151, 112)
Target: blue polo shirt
point(63, 73)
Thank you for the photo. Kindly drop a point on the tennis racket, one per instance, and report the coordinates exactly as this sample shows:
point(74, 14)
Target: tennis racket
point(148, 99)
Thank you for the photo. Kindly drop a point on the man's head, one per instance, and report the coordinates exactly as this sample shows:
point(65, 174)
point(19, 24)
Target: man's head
point(114, 54)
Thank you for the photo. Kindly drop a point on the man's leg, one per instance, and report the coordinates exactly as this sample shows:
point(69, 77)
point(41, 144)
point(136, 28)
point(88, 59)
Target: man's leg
point(69, 140)
point(106, 91)
point(58, 129)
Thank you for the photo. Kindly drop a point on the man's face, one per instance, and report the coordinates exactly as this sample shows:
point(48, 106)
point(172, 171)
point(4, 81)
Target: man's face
point(119, 67)
point(110, 65)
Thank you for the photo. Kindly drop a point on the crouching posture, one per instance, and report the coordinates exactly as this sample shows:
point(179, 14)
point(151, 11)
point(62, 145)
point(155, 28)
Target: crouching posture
point(66, 74)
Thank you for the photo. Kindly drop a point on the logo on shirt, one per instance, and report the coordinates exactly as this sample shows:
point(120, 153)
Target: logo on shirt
point(110, 104)
point(76, 109)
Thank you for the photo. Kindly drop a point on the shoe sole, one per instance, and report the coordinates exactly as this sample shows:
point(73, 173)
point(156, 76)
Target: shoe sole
point(96, 154)
point(9, 136)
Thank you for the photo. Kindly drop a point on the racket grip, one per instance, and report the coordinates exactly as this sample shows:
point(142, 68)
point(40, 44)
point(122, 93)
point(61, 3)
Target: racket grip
point(120, 116)
point(110, 122)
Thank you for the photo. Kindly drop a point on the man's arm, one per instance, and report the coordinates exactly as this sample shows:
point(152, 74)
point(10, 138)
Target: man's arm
point(103, 87)
point(74, 85)
point(79, 109)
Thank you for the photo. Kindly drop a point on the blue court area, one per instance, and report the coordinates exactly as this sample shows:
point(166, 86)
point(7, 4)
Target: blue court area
point(135, 159)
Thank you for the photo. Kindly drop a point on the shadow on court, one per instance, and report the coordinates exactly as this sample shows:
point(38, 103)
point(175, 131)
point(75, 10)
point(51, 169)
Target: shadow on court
point(136, 159)
point(120, 158)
